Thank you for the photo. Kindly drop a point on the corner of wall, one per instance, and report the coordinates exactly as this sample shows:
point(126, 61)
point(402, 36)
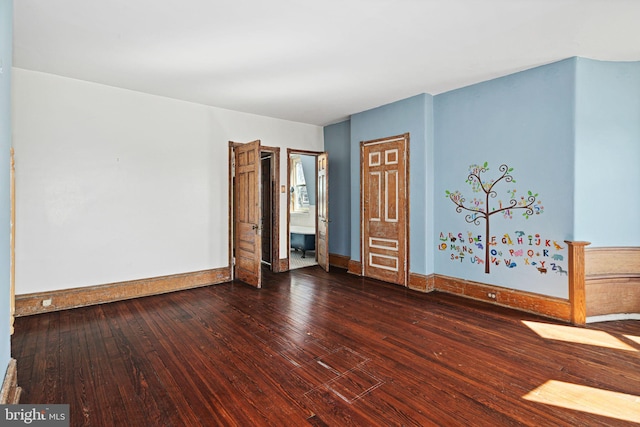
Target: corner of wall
point(429, 133)
point(6, 40)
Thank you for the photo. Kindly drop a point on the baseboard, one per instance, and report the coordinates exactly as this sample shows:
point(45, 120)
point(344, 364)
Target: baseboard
point(340, 261)
point(422, 283)
point(283, 265)
point(64, 299)
point(613, 317)
point(274, 266)
point(556, 308)
point(354, 267)
point(10, 393)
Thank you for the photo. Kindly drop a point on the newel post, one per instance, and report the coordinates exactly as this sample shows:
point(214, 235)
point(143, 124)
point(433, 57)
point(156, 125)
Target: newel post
point(577, 298)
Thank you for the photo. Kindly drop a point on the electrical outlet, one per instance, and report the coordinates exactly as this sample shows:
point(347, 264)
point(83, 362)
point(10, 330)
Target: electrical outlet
point(46, 302)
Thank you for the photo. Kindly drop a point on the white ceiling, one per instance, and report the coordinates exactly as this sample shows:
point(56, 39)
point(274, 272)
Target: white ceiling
point(313, 62)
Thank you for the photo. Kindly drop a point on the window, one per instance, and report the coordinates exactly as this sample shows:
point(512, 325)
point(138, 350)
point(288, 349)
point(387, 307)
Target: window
point(299, 196)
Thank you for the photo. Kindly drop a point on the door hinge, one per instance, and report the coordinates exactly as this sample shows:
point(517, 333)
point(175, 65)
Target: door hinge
point(233, 261)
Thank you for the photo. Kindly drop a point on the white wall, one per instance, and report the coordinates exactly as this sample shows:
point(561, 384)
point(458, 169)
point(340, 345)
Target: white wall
point(116, 185)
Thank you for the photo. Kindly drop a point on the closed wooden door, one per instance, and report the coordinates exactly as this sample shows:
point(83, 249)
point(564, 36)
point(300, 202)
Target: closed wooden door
point(322, 208)
point(246, 213)
point(385, 209)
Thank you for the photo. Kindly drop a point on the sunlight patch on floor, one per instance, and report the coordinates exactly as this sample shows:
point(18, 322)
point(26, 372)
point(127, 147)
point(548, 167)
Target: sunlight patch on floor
point(577, 335)
point(632, 338)
point(587, 399)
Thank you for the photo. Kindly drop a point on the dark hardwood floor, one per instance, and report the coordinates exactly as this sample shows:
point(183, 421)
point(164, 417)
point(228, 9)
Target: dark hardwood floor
point(319, 349)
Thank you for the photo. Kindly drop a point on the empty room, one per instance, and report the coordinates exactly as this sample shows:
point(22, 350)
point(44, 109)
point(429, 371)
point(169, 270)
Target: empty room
point(361, 213)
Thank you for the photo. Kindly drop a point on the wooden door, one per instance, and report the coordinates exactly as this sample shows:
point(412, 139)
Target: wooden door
point(385, 209)
point(322, 209)
point(246, 213)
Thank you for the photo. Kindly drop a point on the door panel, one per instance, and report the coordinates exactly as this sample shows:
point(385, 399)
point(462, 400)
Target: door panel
point(322, 207)
point(246, 213)
point(385, 208)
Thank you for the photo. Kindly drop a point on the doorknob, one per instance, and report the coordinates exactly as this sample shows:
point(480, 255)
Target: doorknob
point(254, 226)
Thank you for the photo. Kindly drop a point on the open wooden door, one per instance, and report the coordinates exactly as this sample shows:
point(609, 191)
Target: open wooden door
point(247, 239)
point(322, 209)
point(384, 192)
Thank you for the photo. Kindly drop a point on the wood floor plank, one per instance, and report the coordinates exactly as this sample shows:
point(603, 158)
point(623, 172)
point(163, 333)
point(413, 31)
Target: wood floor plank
point(319, 349)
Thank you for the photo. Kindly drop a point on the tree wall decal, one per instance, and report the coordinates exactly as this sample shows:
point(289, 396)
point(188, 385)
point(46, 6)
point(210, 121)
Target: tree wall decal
point(479, 207)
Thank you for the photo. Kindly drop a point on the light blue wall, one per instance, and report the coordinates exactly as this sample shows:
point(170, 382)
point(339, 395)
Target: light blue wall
point(571, 132)
point(6, 25)
point(337, 145)
point(524, 120)
point(309, 169)
point(408, 115)
point(607, 199)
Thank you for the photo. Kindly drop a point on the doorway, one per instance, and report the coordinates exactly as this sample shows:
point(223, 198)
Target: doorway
point(302, 210)
point(270, 206)
point(307, 208)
